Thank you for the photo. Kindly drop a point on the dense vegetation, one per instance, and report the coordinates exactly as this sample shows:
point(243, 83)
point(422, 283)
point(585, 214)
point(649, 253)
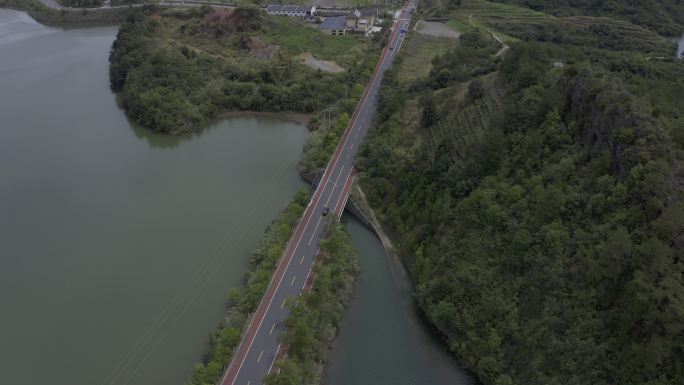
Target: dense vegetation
point(315, 320)
point(537, 198)
point(177, 69)
point(244, 302)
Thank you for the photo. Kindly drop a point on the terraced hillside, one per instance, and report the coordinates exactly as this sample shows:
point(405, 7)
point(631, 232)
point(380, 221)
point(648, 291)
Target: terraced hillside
point(511, 22)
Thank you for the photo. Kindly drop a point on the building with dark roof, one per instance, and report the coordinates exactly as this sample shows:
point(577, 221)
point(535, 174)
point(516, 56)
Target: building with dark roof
point(335, 26)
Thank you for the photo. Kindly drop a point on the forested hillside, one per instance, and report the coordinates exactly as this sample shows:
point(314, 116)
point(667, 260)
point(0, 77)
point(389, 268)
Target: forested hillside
point(537, 200)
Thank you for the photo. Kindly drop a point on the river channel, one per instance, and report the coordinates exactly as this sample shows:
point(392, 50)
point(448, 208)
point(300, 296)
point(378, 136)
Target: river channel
point(383, 339)
point(117, 245)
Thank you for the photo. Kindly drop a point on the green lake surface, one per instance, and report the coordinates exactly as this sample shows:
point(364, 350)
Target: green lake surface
point(118, 245)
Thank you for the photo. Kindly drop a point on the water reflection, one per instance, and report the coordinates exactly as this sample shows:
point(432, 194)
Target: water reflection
point(383, 338)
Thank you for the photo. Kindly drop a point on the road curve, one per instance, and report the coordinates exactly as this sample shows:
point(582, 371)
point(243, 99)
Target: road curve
point(260, 346)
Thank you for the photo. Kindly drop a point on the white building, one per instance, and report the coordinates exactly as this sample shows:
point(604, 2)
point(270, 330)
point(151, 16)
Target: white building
point(291, 10)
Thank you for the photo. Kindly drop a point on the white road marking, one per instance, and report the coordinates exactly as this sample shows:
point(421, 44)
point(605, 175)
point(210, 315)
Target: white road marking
point(334, 185)
point(272, 327)
point(314, 232)
point(342, 195)
point(274, 358)
point(260, 354)
point(283, 304)
point(302, 261)
point(293, 279)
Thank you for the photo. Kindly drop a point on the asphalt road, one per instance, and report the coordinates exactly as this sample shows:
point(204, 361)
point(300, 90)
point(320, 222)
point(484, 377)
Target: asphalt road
point(260, 347)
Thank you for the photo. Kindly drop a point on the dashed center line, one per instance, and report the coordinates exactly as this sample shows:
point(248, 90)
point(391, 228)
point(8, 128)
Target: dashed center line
point(260, 354)
point(272, 327)
point(293, 279)
point(302, 261)
point(314, 232)
point(283, 304)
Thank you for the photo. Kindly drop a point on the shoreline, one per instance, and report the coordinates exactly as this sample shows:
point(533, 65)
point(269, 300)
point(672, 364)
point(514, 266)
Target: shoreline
point(297, 117)
point(68, 19)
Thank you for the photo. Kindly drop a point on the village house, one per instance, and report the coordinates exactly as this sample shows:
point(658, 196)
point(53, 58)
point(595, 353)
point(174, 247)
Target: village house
point(335, 26)
point(361, 20)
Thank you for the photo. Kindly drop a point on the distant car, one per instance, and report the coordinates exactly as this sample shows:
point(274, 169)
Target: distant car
point(326, 210)
point(391, 48)
point(403, 31)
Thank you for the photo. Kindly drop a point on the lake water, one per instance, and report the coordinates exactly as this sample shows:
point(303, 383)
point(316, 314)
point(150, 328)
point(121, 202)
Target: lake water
point(117, 245)
point(383, 340)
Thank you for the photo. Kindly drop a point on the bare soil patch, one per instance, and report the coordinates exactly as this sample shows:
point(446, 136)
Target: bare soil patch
point(326, 66)
point(436, 29)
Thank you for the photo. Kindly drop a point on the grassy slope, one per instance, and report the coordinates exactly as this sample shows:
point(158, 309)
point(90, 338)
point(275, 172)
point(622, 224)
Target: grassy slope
point(420, 51)
point(296, 37)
